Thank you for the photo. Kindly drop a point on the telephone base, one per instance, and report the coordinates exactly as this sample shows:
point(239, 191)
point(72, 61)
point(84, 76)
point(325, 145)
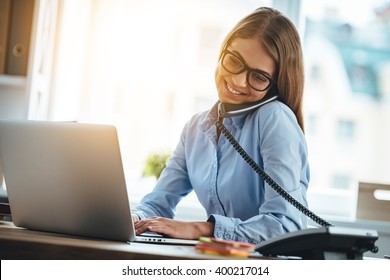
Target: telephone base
point(330, 255)
point(325, 243)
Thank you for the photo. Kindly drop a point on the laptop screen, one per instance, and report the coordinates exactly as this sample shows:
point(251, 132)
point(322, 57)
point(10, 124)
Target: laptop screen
point(65, 177)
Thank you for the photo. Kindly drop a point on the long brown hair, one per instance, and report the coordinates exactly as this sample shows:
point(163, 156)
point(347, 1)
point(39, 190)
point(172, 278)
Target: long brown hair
point(281, 39)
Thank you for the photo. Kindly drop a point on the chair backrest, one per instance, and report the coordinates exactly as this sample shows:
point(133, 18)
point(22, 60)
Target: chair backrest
point(373, 202)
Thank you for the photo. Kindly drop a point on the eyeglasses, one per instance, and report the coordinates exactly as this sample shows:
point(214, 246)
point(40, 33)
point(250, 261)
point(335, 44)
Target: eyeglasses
point(256, 79)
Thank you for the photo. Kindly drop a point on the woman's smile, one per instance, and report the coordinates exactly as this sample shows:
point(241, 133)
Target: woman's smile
point(233, 91)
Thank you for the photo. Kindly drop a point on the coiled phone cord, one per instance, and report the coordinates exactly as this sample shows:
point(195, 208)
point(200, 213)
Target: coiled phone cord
point(268, 179)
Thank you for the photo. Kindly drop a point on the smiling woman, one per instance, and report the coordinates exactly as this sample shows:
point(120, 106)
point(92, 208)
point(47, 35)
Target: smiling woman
point(241, 205)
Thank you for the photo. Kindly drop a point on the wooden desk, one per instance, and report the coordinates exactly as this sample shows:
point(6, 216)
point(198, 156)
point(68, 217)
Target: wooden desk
point(19, 243)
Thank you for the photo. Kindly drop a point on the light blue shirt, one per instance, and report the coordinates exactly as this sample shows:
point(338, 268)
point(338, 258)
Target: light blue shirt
point(233, 195)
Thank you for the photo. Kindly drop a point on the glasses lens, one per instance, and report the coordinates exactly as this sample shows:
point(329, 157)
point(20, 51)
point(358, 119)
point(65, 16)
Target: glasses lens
point(232, 64)
point(258, 80)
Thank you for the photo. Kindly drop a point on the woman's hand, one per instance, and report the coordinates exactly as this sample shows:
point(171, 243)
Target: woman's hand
point(175, 229)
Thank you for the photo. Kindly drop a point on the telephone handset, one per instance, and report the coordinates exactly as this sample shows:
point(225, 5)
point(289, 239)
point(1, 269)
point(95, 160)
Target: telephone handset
point(314, 243)
point(229, 110)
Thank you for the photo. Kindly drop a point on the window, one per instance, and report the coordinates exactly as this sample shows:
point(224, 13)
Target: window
point(345, 131)
point(347, 55)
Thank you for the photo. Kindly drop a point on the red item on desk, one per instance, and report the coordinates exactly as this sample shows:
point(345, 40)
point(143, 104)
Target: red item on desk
point(216, 246)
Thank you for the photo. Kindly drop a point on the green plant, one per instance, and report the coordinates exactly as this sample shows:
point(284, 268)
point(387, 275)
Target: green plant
point(155, 164)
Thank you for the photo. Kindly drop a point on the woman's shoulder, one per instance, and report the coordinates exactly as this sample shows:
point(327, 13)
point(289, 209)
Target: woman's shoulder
point(273, 114)
point(274, 107)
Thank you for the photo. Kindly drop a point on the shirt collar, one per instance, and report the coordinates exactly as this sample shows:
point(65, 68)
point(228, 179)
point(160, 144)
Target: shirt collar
point(212, 116)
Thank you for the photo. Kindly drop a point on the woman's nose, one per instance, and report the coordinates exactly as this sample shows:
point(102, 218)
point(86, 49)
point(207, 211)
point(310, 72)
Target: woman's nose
point(239, 80)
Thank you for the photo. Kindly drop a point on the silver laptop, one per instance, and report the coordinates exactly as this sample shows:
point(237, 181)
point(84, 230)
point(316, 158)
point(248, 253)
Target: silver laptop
point(68, 177)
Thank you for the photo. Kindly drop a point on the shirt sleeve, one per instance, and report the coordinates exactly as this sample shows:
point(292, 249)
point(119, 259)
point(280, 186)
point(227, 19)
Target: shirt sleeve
point(283, 149)
point(170, 188)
